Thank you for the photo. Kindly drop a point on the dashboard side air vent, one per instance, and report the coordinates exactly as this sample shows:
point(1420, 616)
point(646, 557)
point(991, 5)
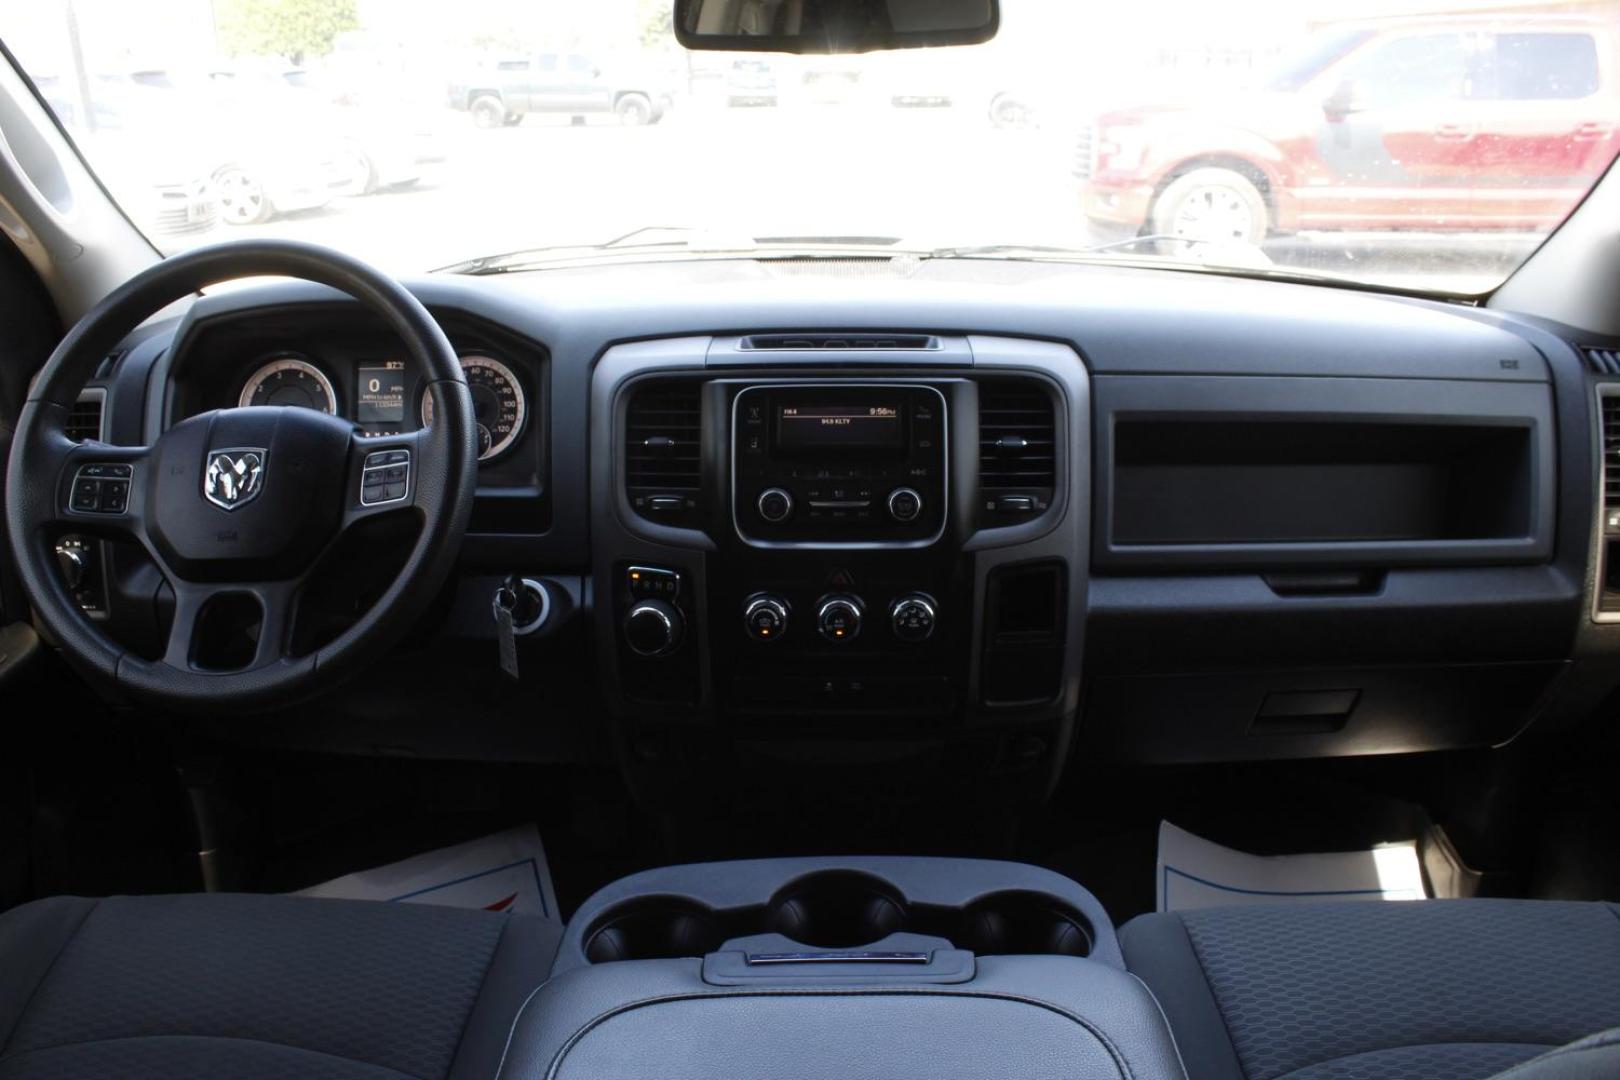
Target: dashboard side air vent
point(1608, 592)
point(1017, 448)
point(84, 419)
point(1602, 361)
point(835, 342)
point(663, 451)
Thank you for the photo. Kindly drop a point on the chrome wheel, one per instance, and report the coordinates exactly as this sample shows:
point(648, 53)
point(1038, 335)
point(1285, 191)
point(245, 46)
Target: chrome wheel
point(1212, 205)
point(634, 110)
point(240, 197)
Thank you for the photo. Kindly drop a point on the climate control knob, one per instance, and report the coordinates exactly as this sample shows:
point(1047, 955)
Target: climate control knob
point(653, 628)
point(775, 505)
point(838, 617)
point(765, 617)
point(913, 617)
point(905, 505)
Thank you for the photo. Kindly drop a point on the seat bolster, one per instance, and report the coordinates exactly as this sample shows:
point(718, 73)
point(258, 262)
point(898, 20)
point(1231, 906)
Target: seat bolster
point(31, 938)
point(522, 959)
point(1159, 952)
point(1596, 1057)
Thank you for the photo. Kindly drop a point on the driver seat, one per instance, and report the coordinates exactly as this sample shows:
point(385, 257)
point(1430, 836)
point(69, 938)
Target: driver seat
point(257, 986)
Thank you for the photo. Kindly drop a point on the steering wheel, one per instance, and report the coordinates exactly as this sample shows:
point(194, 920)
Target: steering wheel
point(237, 506)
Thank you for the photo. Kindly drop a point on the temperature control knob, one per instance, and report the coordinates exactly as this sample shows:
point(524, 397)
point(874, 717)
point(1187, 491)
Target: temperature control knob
point(653, 628)
point(775, 505)
point(905, 505)
point(765, 617)
point(838, 617)
point(913, 617)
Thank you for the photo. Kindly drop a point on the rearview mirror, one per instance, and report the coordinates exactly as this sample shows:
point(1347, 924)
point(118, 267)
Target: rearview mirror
point(833, 26)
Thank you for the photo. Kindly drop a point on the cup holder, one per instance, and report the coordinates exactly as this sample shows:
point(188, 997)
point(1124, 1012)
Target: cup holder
point(653, 928)
point(1026, 924)
point(836, 909)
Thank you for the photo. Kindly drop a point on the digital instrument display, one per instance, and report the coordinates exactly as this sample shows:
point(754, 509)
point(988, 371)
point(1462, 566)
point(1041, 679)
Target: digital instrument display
point(381, 396)
point(817, 426)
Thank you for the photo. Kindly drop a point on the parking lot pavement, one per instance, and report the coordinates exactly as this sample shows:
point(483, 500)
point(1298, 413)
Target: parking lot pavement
point(923, 176)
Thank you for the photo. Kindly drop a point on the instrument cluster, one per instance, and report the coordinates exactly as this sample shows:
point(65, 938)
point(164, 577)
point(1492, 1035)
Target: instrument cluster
point(386, 395)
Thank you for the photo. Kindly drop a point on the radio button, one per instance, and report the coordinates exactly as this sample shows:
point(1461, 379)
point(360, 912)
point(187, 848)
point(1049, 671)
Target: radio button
point(905, 505)
point(775, 505)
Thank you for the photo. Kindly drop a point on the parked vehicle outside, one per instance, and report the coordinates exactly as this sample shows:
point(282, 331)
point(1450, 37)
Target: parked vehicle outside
point(265, 155)
point(381, 142)
point(571, 84)
point(1443, 124)
point(750, 83)
point(169, 191)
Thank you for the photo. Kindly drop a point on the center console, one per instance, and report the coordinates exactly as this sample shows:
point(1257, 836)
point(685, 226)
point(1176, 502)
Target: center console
point(895, 967)
point(841, 538)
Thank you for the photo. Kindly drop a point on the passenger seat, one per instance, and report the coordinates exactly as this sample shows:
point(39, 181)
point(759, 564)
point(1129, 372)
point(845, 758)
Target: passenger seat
point(1426, 990)
point(259, 986)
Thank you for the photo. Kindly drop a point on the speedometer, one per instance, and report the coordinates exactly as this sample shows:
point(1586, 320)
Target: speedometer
point(289, 380)
point(498, 404)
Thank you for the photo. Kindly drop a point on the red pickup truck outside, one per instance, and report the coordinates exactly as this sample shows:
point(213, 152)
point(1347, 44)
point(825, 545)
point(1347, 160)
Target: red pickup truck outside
point(1443, 125)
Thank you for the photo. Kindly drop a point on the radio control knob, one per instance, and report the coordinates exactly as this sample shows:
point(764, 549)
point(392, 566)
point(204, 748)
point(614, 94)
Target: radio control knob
point(838, 617)
point(775, 505)
point(905, 505)
point(653, 628)
point(765, 618)
point(914, 617)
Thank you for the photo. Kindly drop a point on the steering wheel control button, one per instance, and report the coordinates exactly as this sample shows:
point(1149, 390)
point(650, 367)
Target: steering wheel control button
point(905, 505)
point(765, 618)
point(385, 477)
point(914, 617)
point(839, 618)
point(775, 505)
point(653, 628)
point(652, 582)
point(101, 488)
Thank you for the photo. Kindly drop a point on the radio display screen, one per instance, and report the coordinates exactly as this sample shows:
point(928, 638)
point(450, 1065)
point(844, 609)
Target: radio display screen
point(810, 427)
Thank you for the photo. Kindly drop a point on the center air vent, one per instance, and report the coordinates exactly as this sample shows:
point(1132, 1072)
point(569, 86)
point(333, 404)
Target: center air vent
point(84, 419)
point(663, 451)
point(837, 342)
point(1017, 448)
point(1602, 361)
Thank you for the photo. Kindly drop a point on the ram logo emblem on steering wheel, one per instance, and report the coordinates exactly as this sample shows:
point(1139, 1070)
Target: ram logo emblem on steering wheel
point(234, 477)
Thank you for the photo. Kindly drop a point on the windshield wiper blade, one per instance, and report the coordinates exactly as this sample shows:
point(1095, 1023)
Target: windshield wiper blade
point(680, 238)
point(1056, 251)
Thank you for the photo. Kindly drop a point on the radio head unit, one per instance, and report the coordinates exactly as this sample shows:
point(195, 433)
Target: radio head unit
point(839, 464)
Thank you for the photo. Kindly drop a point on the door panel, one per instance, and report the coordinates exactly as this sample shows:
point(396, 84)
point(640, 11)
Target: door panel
point(1392, 136)
point(1547, 127)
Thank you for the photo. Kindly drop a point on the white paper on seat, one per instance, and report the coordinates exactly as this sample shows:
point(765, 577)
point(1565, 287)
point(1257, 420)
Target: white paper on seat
point(506, 871)
point(1196, 873)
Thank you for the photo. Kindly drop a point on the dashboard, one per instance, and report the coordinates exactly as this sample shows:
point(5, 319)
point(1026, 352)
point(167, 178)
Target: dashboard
point(990, 511)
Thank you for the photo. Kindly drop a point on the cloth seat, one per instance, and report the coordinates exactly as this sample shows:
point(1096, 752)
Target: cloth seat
point(1427, 990)
point(259, 986)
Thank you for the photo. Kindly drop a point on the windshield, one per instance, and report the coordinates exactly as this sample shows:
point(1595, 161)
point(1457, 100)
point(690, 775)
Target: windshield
point(1429, 151)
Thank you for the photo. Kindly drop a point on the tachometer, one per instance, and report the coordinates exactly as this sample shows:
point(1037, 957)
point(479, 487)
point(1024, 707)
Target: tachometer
point(288, 380)
point(498, 404)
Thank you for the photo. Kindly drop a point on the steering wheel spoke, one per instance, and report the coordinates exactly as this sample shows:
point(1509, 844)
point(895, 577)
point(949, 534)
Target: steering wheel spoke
point(383, 475)
point(100, 488)
point(259, 615)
